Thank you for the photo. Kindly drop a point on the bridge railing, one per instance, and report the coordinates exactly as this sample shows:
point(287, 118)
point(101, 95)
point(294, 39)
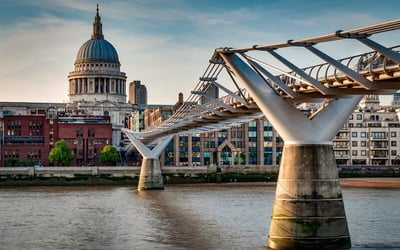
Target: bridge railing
point(368, 63)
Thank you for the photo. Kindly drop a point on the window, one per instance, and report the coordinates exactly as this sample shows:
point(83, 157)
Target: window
point(393, 134)
point(91, 132)
point(252, 124)
point(378, 135)
point(393, 152)
point(341, 144)
point(363, 143)
point(363, 134)
point(79, 132)
point(354, 143)
point(354, 152)
point(353, 134)
point(393, 143)
point(363, 152)
point(359, 117)
point(252, 133)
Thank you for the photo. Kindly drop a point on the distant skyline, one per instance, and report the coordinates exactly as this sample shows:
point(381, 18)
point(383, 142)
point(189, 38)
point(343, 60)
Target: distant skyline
point(164, 44)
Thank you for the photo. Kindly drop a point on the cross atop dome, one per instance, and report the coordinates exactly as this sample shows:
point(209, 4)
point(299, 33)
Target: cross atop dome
point(97, 26)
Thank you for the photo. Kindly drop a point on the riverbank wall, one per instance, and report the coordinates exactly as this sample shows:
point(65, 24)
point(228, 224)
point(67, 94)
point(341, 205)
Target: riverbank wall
point(111, 175)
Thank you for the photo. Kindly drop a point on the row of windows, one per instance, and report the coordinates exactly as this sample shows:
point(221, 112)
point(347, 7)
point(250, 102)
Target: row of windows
point(14, 123)
point(237, 144)
point(14, 132)
point(17, 132)
point(31, 155)
point(90, 142)
point(35, 124)
point(374, 135)
point(97, 65)
point(373, 153)
point(379, 144)
point(90, 132)
point(239, 134)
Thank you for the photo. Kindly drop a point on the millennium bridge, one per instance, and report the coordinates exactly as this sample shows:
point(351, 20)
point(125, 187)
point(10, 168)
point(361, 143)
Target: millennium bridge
point(308, 209)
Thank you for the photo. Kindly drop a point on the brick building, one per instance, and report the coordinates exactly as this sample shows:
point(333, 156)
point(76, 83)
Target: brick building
point(29, 138)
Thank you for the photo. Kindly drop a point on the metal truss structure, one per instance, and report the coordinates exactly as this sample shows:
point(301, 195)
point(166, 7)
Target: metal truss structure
point(374, 72)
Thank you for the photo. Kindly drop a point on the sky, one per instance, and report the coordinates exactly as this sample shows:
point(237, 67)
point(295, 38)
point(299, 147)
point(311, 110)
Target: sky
point(164, 44)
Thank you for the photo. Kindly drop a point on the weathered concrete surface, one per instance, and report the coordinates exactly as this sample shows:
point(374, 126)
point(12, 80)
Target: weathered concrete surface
point(308, 211)
point(150, 175)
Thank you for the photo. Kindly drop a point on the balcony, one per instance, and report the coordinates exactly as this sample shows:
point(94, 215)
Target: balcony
point(342, 157)
point(378, 138)
point(379, 157)
point(341, 138)
point(380, 154)
point(379, 146)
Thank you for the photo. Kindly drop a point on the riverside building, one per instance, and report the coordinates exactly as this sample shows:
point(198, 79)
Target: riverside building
point(28, 139)
point(369, 137)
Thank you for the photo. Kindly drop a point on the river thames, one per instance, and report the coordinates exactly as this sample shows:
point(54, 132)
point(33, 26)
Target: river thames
point(179, 217)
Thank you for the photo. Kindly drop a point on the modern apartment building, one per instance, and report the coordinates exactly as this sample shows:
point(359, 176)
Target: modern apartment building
point(370, 136)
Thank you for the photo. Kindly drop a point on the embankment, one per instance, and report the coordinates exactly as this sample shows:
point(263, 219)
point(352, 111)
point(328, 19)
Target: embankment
point(254, 175)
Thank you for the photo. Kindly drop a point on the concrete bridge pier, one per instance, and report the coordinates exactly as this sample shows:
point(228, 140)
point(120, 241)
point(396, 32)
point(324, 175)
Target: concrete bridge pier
point(150, 175)
point(150, 172)
point(308, 209)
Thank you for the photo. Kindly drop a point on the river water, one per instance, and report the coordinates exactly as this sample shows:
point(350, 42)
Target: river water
point(179, 217)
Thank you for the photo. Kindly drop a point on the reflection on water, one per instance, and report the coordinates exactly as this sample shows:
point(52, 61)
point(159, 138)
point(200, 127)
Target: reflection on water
point(179, 217)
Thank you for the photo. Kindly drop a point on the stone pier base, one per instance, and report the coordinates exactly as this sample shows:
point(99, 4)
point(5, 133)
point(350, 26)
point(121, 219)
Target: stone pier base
point(308, 211)
point(150, 175)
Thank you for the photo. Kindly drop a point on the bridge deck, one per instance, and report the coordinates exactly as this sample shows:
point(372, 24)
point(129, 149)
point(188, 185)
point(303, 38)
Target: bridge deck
point(375, 72)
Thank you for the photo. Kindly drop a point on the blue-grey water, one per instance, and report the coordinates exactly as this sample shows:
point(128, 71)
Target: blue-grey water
point(179, 217)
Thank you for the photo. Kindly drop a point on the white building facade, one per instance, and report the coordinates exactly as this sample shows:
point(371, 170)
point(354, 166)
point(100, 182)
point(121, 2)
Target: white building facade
point(371, 136)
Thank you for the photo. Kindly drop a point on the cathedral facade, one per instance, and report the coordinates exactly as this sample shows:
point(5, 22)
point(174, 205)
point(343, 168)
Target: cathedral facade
point(97, 86)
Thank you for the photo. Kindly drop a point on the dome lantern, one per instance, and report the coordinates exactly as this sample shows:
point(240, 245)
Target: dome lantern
point(97, 26)
point(97, 49)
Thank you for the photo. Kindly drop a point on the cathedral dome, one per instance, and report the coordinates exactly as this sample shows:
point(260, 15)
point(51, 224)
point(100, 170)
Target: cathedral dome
point(96, 76)
point(97, 49)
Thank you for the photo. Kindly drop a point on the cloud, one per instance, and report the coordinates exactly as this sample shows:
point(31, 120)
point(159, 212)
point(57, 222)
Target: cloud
point(39, 52)
point(166, 44)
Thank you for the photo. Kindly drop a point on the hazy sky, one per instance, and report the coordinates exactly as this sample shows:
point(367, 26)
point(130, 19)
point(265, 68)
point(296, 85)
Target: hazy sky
point(165, 44)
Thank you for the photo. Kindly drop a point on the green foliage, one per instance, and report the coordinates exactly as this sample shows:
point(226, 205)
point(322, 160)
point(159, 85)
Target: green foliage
point(109, 155)
point(12, 162)
point(15, 162)
point(60, 154)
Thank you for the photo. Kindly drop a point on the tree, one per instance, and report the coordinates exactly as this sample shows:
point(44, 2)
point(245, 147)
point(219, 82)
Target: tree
point(109, 155)
point(60, 154)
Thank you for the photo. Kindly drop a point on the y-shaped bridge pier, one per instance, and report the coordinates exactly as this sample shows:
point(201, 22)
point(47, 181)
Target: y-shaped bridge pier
point(308, 209)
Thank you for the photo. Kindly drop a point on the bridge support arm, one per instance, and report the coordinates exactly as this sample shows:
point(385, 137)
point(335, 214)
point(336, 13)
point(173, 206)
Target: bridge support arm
point(308, 210)
point(150, 172)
